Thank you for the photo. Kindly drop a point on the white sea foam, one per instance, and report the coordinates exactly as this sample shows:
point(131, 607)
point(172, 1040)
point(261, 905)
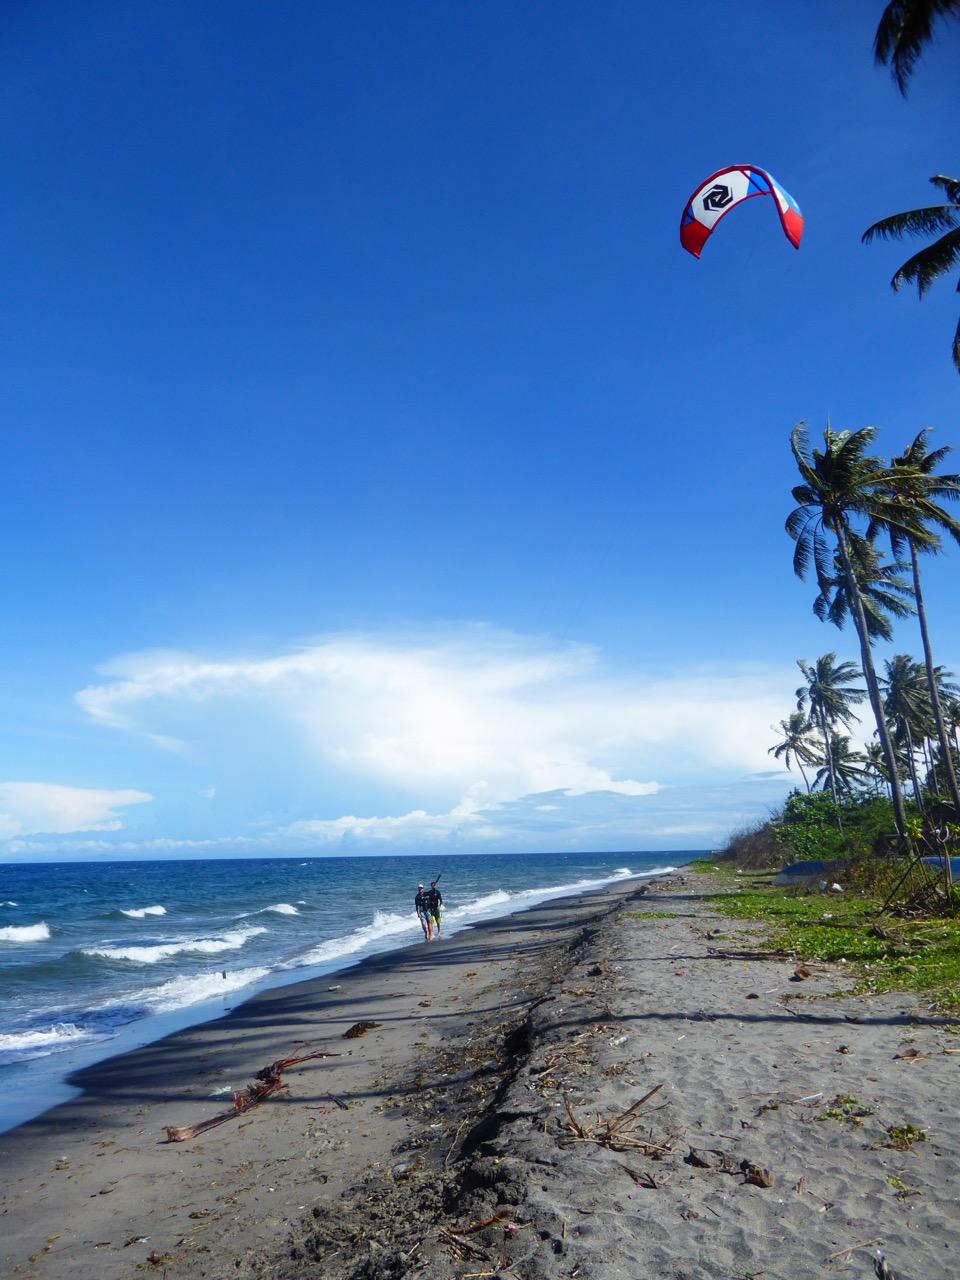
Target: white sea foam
point(281, 908)
point(191, 989)
point(138, 913)
point(496, 903)
point(44, 1039)
point(8, 903)
point(384, 924)
point(25, 932)
point(228, 941)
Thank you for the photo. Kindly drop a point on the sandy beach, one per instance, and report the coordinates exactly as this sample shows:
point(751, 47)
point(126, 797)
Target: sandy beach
point(496, 1089)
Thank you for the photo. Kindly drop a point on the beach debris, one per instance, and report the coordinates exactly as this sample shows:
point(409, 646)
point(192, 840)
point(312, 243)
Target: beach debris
point(697, 1160)
point(752, 995)
point(479, 1226)
point(801, 973)
point(882, 1270)
point(598, 970)
point(135, 1240)
point(851, 1248)
point(199, 1213)
point(755, 1174)
point(267, 1082)
point(910, 1055)
point(844, 1048)
point(616, 1133)
point(337, 987)
point(359, 1029)
point(159, 1259)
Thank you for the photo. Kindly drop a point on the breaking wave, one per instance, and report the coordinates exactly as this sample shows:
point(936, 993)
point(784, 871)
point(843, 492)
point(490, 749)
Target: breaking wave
point(189, 989)
point(25, 932)
point(138, 913)
point(228, 941)
point(41, 1041)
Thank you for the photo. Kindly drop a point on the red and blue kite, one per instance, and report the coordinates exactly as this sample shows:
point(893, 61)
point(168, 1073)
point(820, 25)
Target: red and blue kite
point(723, 191)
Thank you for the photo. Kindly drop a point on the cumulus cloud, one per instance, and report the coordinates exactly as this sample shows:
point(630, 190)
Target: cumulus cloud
point(33, 808)
point(459, 722)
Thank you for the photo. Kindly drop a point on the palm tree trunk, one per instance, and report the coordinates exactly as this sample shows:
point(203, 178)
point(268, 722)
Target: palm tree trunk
point(932, 681)
point(802, 773)
point(873, 686)
point(828, 753)
point(912, 761)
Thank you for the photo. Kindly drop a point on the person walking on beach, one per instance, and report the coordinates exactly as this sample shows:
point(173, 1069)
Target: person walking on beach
point(435, 904)
point(422, 904)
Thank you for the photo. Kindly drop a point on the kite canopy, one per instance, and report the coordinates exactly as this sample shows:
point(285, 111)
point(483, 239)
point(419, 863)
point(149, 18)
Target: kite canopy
point(723, 191)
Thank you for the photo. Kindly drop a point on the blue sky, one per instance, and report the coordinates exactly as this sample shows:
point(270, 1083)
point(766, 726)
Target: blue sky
point(379, 469)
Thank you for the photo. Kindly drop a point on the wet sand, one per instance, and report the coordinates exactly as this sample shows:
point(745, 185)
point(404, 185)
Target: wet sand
point(495, 1088)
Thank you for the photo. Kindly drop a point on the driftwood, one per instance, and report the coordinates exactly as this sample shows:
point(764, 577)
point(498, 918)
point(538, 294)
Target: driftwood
point(615, 1133)
point(267, 1082)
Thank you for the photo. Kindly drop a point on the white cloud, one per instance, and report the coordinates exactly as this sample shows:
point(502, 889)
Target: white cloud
point(31, 808)
point(468, 712)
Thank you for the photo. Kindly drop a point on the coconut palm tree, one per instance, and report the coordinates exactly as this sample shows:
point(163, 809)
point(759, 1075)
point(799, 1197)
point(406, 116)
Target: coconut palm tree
point(830, 694)
point(919, 487)
point(875, 766)
point(883, 590)
point(937, 259)
point(848, 767)
point(842, 482)
point(907, 706)
point(906, 27)
point(795, 744)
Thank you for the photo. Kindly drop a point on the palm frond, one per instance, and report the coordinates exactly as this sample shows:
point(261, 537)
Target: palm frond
point(905, 28)
point(951, 186)
point(930, 221)
point(927, 266)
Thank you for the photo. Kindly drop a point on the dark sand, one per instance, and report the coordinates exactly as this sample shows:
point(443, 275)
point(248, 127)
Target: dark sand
point(457, 1112)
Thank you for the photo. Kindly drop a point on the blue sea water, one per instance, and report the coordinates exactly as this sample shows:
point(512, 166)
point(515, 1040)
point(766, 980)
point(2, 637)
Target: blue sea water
point(98, 957)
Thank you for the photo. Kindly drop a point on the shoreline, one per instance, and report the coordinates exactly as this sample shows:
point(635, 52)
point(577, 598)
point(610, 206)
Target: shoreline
point(619, 1083)
point(97, 1158)
point(42, 1082)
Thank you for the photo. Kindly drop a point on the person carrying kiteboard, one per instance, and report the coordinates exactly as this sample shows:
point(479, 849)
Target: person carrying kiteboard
point(435, 905)
point(422, 905)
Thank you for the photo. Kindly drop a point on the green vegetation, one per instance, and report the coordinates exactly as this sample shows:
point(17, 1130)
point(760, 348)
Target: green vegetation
point(846, 1109)
point(883, 953)
point(653, 915)
point(903, 1136)
point(902, 1189)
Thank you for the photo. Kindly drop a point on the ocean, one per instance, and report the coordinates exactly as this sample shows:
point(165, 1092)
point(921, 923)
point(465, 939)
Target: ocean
point(97, 958)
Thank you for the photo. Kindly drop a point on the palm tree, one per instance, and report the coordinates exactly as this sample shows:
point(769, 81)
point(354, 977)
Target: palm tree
point(883, 590)
point(907, 707)
point(875, 766)
point(937, 259)
point(795, 744)
point(906, 26)
point(918, 487)
point(848, 766)
point(830, 694)
point(840, 482)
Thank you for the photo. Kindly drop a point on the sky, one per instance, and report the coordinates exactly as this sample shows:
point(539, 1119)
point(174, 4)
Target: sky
point(380, 474)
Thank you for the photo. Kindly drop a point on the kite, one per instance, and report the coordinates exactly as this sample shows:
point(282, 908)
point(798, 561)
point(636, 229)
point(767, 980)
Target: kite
point(723, 191)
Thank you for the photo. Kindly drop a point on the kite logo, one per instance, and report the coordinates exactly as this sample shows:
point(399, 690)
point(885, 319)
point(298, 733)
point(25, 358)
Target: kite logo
point(718, 197)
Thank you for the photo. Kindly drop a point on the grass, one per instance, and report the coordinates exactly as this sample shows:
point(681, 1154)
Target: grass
point(921, 955)
point(653, 915)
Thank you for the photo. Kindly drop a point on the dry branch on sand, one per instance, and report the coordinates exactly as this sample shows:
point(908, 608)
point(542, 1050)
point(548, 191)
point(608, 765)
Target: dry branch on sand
point(267, 1082)
point(616, 1133)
